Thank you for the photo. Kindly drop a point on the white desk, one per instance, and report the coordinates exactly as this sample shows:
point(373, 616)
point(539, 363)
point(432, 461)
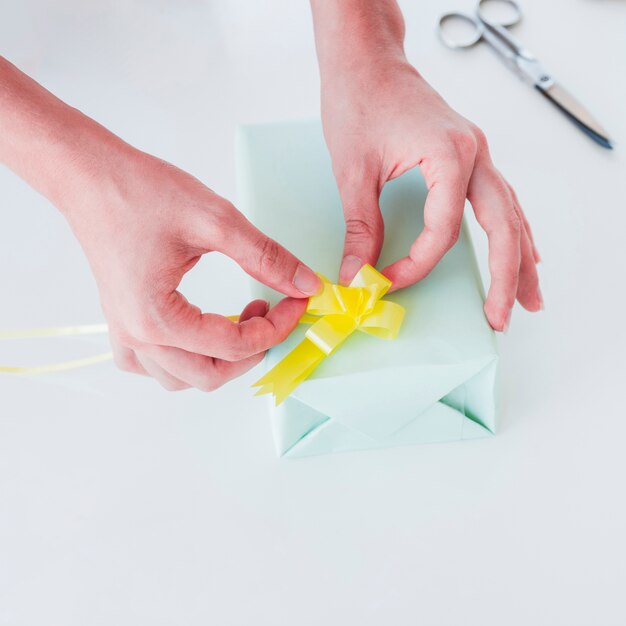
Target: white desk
point(123, 504)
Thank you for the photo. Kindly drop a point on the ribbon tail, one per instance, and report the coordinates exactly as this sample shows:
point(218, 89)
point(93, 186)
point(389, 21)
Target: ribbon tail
point(287, 374)
point(60, 331)
point(57, 367)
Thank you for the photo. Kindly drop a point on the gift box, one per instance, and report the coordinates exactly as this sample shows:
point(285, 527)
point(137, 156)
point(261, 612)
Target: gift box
point(436, 380)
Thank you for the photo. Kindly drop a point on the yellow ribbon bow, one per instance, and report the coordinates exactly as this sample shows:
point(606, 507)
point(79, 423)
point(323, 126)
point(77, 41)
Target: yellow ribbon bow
point(341, 311)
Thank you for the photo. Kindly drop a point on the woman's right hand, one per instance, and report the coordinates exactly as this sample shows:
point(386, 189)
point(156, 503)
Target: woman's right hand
point(143, 224)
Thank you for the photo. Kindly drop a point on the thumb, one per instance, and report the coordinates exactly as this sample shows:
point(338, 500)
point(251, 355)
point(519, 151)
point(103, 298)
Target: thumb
point(266, 260)
point(364, 227)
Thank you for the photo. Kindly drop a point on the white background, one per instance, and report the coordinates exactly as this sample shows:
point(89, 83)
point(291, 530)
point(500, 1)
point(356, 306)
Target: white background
point(123, 504)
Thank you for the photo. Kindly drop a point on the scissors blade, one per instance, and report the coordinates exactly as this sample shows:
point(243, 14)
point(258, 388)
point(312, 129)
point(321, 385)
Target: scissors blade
point(577, 113)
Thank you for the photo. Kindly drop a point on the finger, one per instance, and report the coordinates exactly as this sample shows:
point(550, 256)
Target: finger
point(256, 308)
point(185, 326)
point(495, 212)
point(125, 359)
point(443, 213)
point(364, 226)
point(166, 380)
point(195, 370)
point(204, 372)
point(528, 292)
point(265, 259)
point(529, 232)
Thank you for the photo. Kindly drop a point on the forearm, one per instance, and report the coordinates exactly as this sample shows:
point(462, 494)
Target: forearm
point(355, 35)
point(49, 144)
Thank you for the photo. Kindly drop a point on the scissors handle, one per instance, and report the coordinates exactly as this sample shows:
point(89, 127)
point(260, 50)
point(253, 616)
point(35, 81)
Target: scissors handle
point(471, 30)
point(511, 15)
point(461, 30)
point(500, 26)
point(499, 38)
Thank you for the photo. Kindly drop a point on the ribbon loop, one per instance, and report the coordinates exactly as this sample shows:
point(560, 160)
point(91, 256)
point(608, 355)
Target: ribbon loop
point(341, 310)
point(384, 321)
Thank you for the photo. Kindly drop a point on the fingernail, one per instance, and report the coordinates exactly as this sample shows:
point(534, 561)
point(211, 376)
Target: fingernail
point(307, 281)
point(349, 267)
point(540, 298)
point(267, 307)
point(507, 322)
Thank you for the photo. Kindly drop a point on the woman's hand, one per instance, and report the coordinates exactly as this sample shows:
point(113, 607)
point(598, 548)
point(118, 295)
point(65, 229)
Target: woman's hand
point(143, 223)
point(381, 118)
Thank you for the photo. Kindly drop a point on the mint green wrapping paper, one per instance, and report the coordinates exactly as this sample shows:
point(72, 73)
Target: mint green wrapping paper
point(436, 381)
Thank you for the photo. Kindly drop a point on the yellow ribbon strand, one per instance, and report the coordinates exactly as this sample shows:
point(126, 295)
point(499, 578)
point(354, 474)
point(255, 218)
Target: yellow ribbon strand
point(60, 331)
point(335, 314)
point(57, 367)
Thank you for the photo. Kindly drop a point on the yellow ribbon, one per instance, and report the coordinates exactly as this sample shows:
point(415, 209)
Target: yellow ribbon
point(335, 313)
point(61, 331)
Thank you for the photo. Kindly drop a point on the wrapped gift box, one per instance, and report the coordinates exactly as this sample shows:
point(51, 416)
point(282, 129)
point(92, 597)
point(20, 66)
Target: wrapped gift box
point(436, 381)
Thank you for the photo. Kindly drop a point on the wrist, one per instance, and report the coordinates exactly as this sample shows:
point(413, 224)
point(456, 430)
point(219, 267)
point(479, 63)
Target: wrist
point(91, 160)
point(357, 37)
point(55, 148)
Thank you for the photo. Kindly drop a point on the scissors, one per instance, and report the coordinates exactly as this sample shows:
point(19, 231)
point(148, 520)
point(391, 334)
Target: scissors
point(517, 58)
